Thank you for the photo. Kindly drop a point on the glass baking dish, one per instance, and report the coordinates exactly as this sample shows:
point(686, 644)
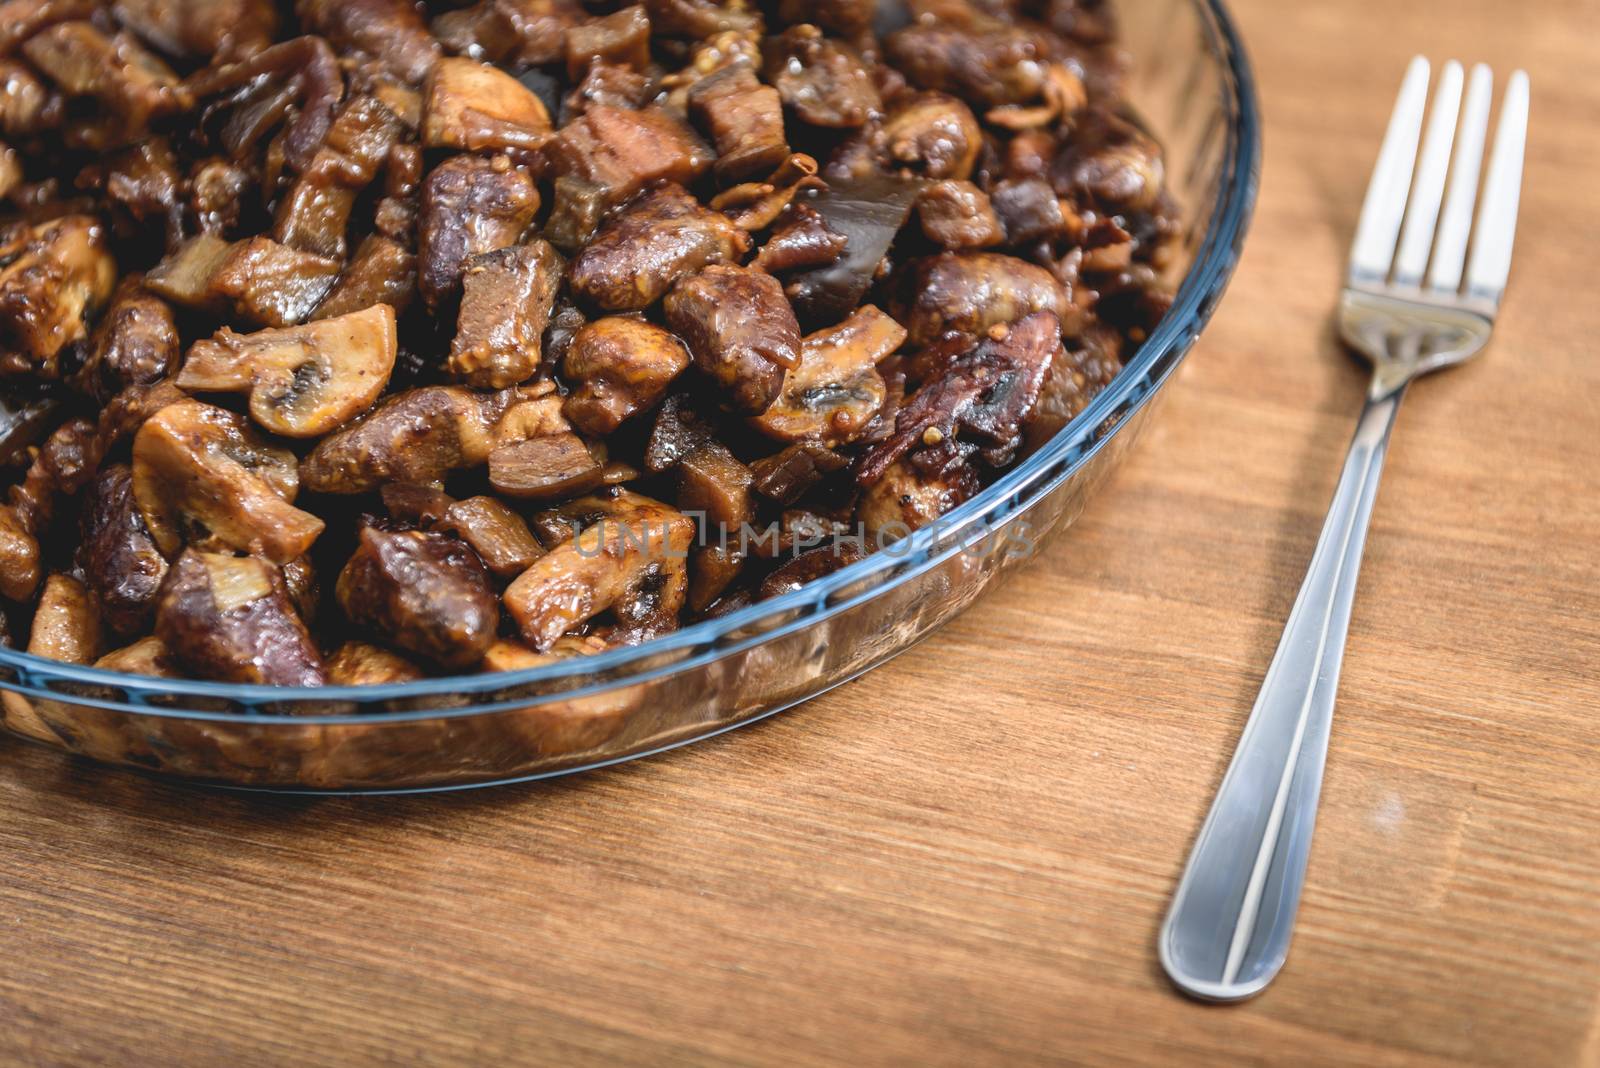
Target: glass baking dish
point(1192, 85)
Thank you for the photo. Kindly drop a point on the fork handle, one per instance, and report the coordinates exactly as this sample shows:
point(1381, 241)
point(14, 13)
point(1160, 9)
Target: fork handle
point(1227, 932)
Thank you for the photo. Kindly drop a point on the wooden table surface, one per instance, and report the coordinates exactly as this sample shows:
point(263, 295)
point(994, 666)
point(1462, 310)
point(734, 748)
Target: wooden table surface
point(963, 858)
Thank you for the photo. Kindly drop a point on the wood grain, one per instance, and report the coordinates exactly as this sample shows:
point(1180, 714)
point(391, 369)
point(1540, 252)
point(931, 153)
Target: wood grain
point(963, 858)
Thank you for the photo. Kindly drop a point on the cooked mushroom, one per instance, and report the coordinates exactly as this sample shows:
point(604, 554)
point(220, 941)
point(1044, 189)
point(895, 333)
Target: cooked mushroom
point(66, 624)
point(1111, 165)
point(424, 592)
point(230, 618)
point(699, 19)
point(201, 474)
point(969, 292)
point(523, 33)
point(117, 71)
point(1030, 210)
point(474, 106)
point(184, 275)
point(418, 436)
point(810, 566)
point(147, 656)
point(303, 381)
point(740, 329)
point(983, 58)
point(836, 390)
point(506, 299)
point(621, 366)
point(118, 558)
point(756, 205)
point(713, 483)
point(26, 106)
point(202, 29)
point(660, 238)
point(802, 239)
point(135, 342)
point(1076, 375)
point(786, 476)
point(630, 561)
point(680, 428)
point(360, 664)
point(470, 205)
point(54, 278)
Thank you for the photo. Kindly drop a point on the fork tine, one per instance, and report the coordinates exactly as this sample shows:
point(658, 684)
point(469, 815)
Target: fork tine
point(1373, 251)
point(1422, 210)
point(1497, 215)
point(1455, 224)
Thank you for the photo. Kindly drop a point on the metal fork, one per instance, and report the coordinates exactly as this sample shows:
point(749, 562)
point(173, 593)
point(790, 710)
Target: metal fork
point(1414, 301)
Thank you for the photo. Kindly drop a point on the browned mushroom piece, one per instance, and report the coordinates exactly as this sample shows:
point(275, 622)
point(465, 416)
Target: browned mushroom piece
point(21, 19)
point(959, 215)
point(202, 29)
point(421, 591)
point(147, 656)
point(358, 663)
point(835, 392)
point(20, 568)
point(1029, 210)
point(620, 367)
point(418, 436)
point(620, 39)
point(506, 299)
point(184, 275)
point(618, 151)
point(511, 655)
point(135, 342)
point(523, 33)
point(217, 191)
point(715, 485)
point(825, 82)
point(983, 58)
point(117, 557)
point(970, 292)
point(475, 106)
point(744, 120)
point(470, 205)
point(545, 467)
point(629, 561)
point(315, 213)
point(904, 499)
point(382, 271)
point(201, 474)
point(756, 205)
point(54, 278)
point(230, 618)
point(660, 238)
point(933, 135)
point(809, 566)
point(741, 331)
point(498, 535)
point(679, 429)
point(124, 76)
point(142, 185)
point(303, 381)
point(391, 31)
point(27, 107)
point(268, 284)
point(66, 623)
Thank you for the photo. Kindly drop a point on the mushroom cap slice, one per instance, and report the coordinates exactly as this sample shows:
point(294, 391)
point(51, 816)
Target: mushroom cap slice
point(303, 381)
point(475, 106)
point(200, 473)
point(836, 390)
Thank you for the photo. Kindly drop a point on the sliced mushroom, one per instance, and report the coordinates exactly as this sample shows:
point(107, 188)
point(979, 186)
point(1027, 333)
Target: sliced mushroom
point(505, 305)
point(630, 561)
point(474, 106)
point(621, 366)
point(757, 205)
point(543, 468)
point(740, 329)
point(66, 623)
point(230, 618)
point(424, 592)
point(54, 278)
point(836, 390)
point(269, 284)
point(421, 435)
point(184, 276)
point(361, 664)
point(200, 473)
point(147, 656)
point(303, 381)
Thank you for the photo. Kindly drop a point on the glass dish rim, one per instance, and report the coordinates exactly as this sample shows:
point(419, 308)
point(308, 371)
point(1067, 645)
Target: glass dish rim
point(713, 639)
